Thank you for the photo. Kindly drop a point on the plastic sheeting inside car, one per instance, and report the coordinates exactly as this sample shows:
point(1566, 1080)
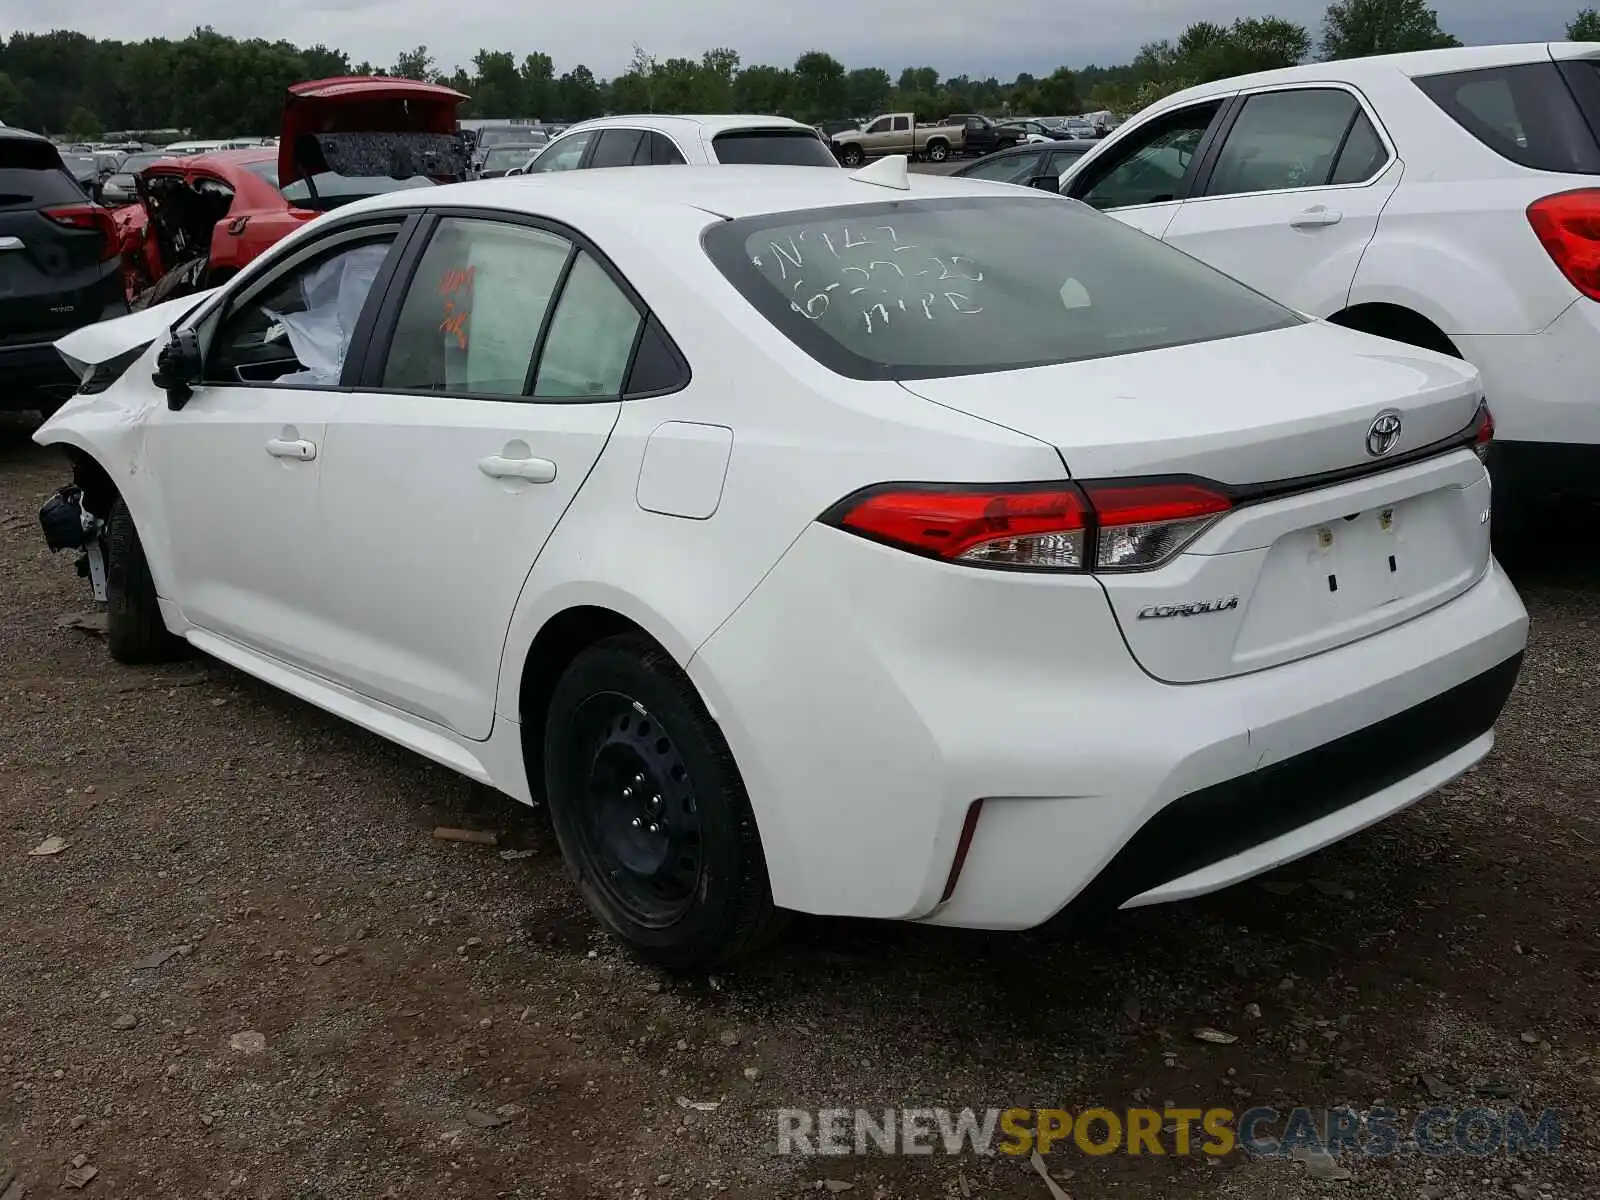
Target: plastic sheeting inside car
point(333, 294)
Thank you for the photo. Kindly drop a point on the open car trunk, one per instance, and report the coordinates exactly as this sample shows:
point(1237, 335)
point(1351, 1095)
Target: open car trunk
point(368, 127)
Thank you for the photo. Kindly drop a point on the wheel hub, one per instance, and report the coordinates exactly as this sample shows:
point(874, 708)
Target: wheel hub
point(641, 817)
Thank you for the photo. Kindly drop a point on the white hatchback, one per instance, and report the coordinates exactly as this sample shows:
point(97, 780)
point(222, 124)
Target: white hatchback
point(880, 545)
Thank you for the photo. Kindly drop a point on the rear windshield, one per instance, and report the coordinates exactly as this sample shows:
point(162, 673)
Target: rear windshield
point(332, 190)
point(1526, 113)
point(920, 289)
point(500, 136)
point(31, 174)
point(774, 147)
point(503, 158)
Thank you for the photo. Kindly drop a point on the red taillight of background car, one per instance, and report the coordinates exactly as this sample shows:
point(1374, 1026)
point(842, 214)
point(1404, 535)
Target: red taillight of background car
point(1117, 525)
point(1568, 226)
point(90, 218)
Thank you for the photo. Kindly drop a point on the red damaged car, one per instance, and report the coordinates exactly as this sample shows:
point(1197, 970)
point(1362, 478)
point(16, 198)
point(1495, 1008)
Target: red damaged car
point(202, 218)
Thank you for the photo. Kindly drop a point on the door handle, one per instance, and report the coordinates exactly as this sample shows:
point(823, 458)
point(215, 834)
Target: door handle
point(1314, 218)
point(297, 449)
point(534, 470)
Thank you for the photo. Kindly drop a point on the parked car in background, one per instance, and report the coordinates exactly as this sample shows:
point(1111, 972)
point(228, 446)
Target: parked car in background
point(121, 186)
point(1449, 199)
point(901, 133)
point(981, 134)
point(1033, 131)
point(59, 269)
point(1095, 577)
point(343, 139)
point(85, 170)
point(501, 159)
point(495, 135)
point(658, 140)
point(828, 128)
point(1080, 127)
point(1033, 164)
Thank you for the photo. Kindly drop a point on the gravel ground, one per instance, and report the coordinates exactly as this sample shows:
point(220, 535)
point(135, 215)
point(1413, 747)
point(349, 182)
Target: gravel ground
point(254, 972)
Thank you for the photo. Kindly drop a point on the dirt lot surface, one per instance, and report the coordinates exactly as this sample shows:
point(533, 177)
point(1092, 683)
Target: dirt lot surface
point(254, 972)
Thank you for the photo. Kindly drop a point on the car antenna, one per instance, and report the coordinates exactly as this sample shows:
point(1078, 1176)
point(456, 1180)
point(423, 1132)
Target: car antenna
point(889, 171)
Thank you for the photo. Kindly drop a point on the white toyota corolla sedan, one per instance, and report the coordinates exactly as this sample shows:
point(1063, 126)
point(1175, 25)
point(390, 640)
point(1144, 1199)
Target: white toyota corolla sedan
point(866, 544)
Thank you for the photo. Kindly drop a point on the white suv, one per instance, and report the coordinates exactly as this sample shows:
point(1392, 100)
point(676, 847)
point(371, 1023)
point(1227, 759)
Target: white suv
point(1449, 199)
point(641, 140)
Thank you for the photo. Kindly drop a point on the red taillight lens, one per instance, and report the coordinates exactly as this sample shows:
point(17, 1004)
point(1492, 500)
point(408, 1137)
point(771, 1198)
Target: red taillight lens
point(1483, 431)
point(88, 217)
point(1110, 526)
point(1038, 527)
point(1568, 226)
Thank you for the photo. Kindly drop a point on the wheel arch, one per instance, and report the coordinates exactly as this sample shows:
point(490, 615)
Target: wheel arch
point(1397, 322)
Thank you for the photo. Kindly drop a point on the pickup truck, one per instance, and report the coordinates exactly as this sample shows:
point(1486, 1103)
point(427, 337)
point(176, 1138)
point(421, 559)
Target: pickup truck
point(897, 133)
point(980, 135)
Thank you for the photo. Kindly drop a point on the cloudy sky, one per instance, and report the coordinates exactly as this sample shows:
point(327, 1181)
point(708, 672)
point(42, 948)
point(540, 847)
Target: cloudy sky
point(955, 36)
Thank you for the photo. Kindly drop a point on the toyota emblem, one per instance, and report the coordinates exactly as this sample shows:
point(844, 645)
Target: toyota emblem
point(1383, 434)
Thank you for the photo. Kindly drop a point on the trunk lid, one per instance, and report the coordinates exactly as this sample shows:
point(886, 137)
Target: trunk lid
point(371, 126)
point(1323, 546)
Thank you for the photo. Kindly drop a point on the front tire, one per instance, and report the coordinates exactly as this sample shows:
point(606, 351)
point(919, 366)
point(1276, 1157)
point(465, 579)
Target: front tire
point(851, 156)
point(650, 810)
point(135, 631)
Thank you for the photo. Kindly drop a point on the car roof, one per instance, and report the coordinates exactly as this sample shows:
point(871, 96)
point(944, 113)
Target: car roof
point(238, 158)
point(710, 123)
point(13, 134)
point(1414, 64)
point(630, 193)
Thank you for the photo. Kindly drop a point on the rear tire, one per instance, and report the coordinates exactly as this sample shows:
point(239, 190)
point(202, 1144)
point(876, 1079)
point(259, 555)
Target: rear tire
point(135, 631)
point(651, 813)
point(938, 152)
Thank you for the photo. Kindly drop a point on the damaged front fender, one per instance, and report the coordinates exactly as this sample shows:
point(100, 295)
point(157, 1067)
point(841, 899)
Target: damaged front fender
point(100, 344)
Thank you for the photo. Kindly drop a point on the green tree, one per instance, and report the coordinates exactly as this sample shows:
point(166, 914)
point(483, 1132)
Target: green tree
point(1585, 27)
point(1354, 28)
point(764, 89)
point(820, 86)
point(414, 64)
point(868, 90)
point(578, 95)
point(84, 126)
point(10, 100)
point(538, 90)
point(1058, 93)
point(717, 70)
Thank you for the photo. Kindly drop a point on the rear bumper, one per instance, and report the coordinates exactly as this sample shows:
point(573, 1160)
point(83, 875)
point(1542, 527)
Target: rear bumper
point(1552, 469)
point(871, 698)
point(1543, 387)
point(29, 370)
point(34, 370)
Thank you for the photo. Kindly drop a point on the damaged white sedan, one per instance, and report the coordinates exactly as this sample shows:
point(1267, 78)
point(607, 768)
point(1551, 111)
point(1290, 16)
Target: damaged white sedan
point(862, 544)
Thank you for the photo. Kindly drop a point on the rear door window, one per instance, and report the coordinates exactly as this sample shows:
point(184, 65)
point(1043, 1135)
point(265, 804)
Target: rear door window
point(1525, 113)
point(1284, 140)
point(773, 147)
point(616, 148)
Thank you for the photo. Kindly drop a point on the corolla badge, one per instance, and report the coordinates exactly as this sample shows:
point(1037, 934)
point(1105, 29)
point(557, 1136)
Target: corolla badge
point(1158, 612)
point(1384, 433)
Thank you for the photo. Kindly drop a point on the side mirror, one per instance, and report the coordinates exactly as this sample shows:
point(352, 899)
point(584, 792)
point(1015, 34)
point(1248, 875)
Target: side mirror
point(1046, 183)
point(178, 368)
point(515, 171)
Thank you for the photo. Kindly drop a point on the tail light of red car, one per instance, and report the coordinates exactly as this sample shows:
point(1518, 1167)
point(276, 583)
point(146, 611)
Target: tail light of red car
point(91, 218)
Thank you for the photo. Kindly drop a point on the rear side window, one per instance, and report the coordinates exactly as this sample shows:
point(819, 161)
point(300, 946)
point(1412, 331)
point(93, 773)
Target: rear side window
point(917, 290)
point(776, 147)
point(31, 175)
point(1284, 140)
point(657, 150)
point(1525, 113)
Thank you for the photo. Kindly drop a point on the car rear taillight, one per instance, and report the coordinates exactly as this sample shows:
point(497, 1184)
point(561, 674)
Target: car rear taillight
point(1114, 525)
point(1482, 432)
point(1568, 226)
point(91, 218)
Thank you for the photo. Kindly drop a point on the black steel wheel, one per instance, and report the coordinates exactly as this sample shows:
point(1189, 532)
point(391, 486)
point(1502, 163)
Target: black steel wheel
point(650, 809)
